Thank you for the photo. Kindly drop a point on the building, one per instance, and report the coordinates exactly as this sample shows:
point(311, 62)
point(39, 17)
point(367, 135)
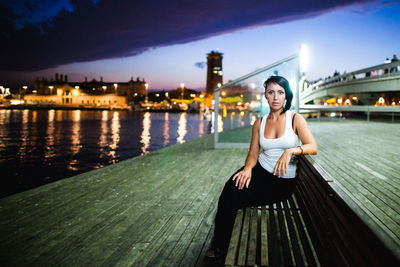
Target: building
point(214, 72)
point(88, 94)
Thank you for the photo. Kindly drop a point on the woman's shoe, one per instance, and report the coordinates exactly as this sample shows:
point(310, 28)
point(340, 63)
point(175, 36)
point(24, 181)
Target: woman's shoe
point(214, 253)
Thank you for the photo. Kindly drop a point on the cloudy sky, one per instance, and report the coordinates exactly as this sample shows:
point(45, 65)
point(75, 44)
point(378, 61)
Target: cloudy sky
point(166, 41)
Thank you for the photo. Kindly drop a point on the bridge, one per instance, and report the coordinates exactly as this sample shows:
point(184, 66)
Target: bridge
point(377, 85)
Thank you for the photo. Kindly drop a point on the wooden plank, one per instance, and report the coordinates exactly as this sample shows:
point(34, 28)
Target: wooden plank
point(275, 257)
point(287, 255)
point(244, 237)
point(252, 251)
point(294, 241)
point(235, 238)
point(307, 245)
point(264, 236)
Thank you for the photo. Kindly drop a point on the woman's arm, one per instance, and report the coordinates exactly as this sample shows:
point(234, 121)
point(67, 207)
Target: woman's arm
point(243, 177)
point(307, 139)
point(309, 146)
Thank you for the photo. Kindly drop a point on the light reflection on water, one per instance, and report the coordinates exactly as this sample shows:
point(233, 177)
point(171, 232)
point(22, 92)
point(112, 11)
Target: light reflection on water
point(145, 137)
point(166, 129)
point(38, 147)
point(181, 128)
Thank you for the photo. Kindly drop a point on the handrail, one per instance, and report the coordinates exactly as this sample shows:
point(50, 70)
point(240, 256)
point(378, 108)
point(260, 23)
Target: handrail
point(361, 108)
point(380, 71)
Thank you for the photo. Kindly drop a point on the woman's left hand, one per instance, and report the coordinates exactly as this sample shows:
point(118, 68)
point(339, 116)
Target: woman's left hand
point(281, 167)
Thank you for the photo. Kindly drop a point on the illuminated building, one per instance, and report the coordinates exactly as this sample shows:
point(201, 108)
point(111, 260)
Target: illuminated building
point(86, 94)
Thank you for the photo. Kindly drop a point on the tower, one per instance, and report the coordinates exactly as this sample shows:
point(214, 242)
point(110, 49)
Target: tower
point(214, 71)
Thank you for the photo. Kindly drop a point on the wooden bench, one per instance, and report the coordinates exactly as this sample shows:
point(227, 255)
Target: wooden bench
point(315, 227)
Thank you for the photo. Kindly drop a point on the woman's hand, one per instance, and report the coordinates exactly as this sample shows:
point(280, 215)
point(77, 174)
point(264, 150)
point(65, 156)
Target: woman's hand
point(281, 167)
point(242, 178)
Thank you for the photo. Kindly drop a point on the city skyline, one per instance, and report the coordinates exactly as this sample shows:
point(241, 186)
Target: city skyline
point(340, 35)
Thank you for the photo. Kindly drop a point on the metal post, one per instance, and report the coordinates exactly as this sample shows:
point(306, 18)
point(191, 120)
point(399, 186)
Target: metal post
point(367, 113)
point(216, 110)
point(299, 80)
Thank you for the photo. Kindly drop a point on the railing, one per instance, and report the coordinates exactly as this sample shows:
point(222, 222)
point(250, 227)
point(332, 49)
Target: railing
point(366, 109)
point(370, 73)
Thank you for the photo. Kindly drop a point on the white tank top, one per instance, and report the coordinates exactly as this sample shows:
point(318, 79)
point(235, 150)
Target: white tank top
point(272, 149)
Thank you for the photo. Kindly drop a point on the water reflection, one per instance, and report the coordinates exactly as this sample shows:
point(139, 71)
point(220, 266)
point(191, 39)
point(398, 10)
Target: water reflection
point(46, 145)
point(5, 116)
point(220, 124)
point(145, 137)
point(103, 135)
point(50, 151)
point(201, 124)
point(166, 129)
point(115, 126)
point(75, 139)
point(24, 135)
point(181, 128)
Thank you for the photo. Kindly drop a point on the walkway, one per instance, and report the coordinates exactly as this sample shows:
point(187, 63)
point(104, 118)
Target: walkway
point(158, 209)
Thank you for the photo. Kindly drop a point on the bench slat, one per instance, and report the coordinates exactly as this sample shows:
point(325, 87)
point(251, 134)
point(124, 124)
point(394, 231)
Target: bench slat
point(251, 254)
point(296, 245)
point(244, 238)
point(304, 238)
point(287, 257)
point(264, 236)
point(233, 245)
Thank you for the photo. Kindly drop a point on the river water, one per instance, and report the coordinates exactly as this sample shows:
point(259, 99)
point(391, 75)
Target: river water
point(42, 146)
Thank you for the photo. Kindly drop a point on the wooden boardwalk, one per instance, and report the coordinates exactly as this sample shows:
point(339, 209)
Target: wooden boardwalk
point(157, 210)
point(363, 160)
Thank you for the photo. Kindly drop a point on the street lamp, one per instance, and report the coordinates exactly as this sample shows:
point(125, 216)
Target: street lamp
point(105, 89)
point(51, 89)
point(182, 87)
point(115, 86)
point(146, 86)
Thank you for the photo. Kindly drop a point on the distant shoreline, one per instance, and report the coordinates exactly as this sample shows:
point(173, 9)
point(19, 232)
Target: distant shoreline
point(52, 107)
point(49, 107)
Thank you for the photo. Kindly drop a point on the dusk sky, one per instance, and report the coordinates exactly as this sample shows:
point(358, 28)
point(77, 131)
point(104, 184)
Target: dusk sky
point(166, 42)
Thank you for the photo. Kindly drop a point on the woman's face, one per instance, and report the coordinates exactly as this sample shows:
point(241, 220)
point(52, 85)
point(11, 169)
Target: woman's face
point(275, 95)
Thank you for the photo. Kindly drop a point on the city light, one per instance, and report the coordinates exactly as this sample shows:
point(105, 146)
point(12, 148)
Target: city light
point(219, 85)
point(76, 87)
point(146, 86)
point(182, 88)
point(115, 86)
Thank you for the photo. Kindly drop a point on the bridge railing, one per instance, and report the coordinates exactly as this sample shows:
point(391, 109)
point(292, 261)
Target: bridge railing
point(367, 110)
point(375, 72)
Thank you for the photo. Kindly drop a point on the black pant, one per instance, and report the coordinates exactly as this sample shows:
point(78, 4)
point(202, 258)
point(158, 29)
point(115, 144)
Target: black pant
point(264, 188)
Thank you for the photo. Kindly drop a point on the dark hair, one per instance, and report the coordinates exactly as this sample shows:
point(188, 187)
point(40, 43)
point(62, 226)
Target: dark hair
point(285, 85)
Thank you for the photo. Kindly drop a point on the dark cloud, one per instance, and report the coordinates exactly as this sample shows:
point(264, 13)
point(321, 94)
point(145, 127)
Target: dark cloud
point(92, 30)
point(200, 65)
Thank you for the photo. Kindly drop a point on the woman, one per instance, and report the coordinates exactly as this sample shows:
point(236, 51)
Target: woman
point(269, 176)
